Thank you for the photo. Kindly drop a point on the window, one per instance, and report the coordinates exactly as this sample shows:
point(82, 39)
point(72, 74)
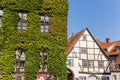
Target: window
point(84, 37)
point(113, 62)
point(105, 78)
point(44, 23)
point(20, 61)
point(91, 64)
point(18, 77)
point(84, 50)
point(82, 78)
point(70, 62)
point(85, 63)
point(22, 25)
point(100, 64)
point(43, 62)
point(118, 49)
point(1, 14)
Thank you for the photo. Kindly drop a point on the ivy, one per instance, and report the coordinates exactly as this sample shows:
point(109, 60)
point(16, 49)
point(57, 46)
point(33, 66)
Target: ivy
point(32, 41)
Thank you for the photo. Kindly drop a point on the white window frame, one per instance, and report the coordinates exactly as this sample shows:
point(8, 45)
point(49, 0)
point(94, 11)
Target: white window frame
point(44, 26)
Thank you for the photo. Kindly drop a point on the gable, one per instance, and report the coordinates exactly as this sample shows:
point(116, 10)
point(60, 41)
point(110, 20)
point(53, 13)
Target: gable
point(87, 41)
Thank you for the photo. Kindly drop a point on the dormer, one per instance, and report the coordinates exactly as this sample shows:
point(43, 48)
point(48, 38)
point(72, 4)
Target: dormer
point(118, 48)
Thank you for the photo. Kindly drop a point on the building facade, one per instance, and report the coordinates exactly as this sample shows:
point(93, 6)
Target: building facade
point(33, 39)
point(85, 59)
point(112, 49)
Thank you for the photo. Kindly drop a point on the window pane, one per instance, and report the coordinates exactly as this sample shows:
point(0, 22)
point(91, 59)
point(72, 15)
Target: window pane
point(84, 37)
point(42, 28)
point(46, 28)
point(42, 18)
point(84, 50)
point(25, 16)
point(85, 63)
point(1, 12)
point(20, 15)
point(19, 25)
point(18, 78)
point(24, 27)
point(0, 23)
point(91, 64)
point(46, 18)
point(69, 62)
point(100, 64)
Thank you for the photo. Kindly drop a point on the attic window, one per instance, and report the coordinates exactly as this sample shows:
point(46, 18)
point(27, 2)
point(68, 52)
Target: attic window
point(1, 14)
point(118, 49)
point(84, 37)
point(44, 23)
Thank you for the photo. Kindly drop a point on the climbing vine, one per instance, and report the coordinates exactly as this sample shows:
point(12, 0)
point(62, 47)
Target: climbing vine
point(32, 41)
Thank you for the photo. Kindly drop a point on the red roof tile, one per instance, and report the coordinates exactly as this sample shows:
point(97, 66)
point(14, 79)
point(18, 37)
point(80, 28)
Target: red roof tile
point(113, 51)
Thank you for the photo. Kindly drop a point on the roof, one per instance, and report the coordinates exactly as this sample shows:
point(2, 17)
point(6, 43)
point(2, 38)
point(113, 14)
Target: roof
point(105, 45)
point(72, 40)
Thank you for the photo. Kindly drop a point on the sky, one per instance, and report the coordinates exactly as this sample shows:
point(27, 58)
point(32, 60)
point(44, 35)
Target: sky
point(101, 17)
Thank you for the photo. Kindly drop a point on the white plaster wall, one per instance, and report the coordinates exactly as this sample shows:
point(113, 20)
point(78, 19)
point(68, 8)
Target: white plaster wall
point(82, 44)
point(91, 57)
point(117, 74)
point(90, 44)
point(90, 51)
point(91, 78)
point(83, 56)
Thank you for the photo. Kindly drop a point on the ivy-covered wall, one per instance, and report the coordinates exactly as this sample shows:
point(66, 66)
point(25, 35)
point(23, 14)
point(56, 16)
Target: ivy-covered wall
point(32, 41)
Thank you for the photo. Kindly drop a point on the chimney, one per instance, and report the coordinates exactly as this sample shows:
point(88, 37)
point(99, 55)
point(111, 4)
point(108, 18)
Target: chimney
point(73, 34)
point(107, 40)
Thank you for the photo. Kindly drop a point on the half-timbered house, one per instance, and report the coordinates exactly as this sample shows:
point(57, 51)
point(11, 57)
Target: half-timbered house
point(112, 49)
point(86, 60)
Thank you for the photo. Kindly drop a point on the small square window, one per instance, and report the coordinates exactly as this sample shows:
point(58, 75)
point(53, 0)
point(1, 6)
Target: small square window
point(84, 50)
point(18, 77)
point(100, 64)
point(91, 64)
point(85, 63)
point(69, 62)
point(84, 37)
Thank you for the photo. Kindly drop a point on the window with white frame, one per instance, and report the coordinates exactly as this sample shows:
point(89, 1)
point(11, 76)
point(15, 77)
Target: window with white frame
point(100, 64)
point(44, 26)
point(85, 63)
point(113, 62)
point(18, 78)
point(118, 49)
point(22, 24)
point(69, 62)
point(84, 37)
point(105, 78)
point(83, 50)
point(91, 64)
point(1, 14)
point(43, 62)
point(20, 61)
point(82, 78)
